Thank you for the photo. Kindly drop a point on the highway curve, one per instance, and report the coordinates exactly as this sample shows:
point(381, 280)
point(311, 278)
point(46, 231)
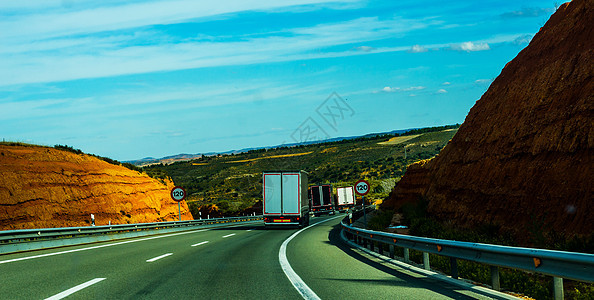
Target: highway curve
point(239, 262)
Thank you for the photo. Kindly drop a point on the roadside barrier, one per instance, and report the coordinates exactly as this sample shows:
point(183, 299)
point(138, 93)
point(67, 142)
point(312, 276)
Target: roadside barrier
point(34, 239)
point(559, 264)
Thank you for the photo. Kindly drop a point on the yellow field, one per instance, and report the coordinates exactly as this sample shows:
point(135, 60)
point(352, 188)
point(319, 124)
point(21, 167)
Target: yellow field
point(266, 157)
point(329, 150)
point(399, 139)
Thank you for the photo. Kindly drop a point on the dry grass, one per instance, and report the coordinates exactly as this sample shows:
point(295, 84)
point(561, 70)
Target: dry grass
point(266, 157)
point(399, 139)
point(330, 150)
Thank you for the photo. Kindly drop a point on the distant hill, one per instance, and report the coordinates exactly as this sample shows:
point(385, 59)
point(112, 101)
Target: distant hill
point(185, 157)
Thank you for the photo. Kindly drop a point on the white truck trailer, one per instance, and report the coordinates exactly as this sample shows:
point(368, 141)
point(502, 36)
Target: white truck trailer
point(345, 197)
point(285, 198)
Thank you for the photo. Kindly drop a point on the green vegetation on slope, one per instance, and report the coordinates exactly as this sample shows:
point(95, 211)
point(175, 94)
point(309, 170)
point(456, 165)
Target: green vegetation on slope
point(233, 183)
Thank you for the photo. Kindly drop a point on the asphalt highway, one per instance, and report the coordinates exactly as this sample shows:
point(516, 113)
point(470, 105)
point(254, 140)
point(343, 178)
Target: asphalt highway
point(240, 262)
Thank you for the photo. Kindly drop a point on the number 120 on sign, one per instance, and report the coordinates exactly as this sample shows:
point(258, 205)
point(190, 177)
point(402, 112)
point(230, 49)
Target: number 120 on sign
point(178, 193)
point(362, 187)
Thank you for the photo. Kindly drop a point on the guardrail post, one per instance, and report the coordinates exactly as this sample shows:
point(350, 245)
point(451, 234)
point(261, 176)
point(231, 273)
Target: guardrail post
point(454, 268)
point(391, 251)
point(558, 288)
point(495, 278)
point(426, 261)
point(406, 255)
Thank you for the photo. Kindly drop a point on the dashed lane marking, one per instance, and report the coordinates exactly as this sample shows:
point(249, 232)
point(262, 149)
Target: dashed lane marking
point(75, 289)
point(158, 257)
point(100, 246)
point(201, 243)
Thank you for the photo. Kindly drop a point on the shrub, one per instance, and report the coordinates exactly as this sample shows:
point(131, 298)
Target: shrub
point(68, 148)
point(380, 220)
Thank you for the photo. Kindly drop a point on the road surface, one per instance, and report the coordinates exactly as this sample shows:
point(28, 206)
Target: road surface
point(240, 262)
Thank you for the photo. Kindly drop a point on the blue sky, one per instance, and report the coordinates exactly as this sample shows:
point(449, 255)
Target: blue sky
point(131, 79)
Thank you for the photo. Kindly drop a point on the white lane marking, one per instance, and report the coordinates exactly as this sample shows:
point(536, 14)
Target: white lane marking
point(201, 243)
point(158, 257)
point(226, 236)
point(97, 247)
point(249, 230)
point(74, 289)
point(298, 283)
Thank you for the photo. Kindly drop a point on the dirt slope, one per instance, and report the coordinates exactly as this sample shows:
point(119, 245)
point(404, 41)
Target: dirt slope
point(524, 155)
point(42, 187)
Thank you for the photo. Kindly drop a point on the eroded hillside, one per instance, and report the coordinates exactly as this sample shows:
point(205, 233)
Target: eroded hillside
point(42, 187)
point(523, 158)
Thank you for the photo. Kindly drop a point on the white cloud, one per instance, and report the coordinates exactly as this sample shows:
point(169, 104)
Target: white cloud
point(483, 81)
point(417, 49)
point(85, 17)
point(470, 47)
point(523, 39)
point(156, 100)
point(92, 56)
point(365, 48)
point(388, 89)
point(441, 91)
point(414, 88)
point(528, 12)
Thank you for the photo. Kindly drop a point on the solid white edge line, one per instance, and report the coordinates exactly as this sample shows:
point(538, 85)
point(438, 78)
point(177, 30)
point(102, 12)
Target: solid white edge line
point(226, 236)
point(158, 257)
point(74, 289)
point(101, 246)
point(201, 243)
point(298, 283)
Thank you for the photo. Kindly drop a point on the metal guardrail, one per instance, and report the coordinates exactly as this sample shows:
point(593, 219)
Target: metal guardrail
point(34, 239)
point(559, 264)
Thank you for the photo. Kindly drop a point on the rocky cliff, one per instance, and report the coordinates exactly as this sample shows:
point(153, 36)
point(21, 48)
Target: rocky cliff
point(524, 154)
point(43, 187)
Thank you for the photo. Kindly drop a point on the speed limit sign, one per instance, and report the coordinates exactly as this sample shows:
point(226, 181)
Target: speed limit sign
point(362, 187)
point(178, 193)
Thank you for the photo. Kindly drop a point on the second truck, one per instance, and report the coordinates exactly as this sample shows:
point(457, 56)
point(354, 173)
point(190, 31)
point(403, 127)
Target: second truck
point(321, 199)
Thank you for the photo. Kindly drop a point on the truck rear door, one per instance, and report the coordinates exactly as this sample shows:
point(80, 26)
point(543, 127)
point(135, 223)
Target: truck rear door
point(291, 194)
point(315, 196)
point(349, 195)
point(327, 195)
point(272, 193)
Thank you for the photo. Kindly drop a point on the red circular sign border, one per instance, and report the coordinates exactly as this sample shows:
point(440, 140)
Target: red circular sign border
point(178, 187)
point(362, 194)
